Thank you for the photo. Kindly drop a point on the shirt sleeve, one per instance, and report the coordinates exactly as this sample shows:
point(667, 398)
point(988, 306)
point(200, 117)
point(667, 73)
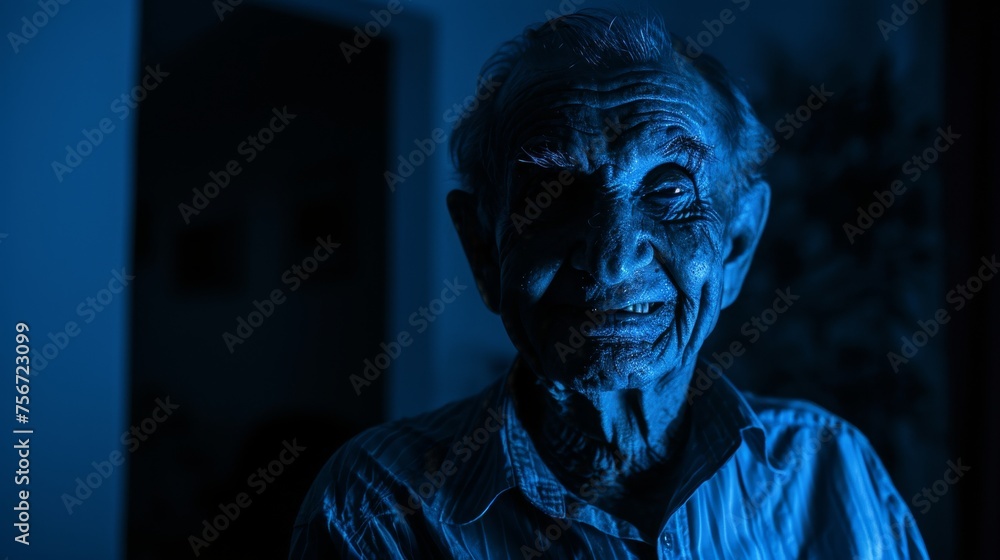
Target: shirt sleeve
point(382, 536)
point(899, 536)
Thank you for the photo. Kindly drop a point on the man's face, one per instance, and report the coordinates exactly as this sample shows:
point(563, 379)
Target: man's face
point(611, 278)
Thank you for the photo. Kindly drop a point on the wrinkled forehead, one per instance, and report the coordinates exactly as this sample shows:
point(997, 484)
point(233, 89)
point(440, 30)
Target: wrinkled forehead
point(586, 111)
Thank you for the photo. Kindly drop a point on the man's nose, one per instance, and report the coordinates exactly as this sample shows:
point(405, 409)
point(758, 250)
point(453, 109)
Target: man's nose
point(614, 246)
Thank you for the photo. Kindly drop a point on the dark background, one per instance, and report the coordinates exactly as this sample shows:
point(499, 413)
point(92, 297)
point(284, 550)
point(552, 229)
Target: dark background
point(230, 67)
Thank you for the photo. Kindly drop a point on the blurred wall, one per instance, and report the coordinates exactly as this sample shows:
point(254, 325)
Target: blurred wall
point(62, 242)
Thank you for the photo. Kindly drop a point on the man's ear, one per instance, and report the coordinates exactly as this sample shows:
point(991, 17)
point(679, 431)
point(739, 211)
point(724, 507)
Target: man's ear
point(745, 229)
point(480, 249)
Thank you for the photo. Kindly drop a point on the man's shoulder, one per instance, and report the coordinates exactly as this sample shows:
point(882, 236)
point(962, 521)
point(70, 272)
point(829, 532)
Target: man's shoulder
point(800, 434)
point(780, 416)
point(797, 429)
point(374, 472)
point(404, 443)
point(826, 466)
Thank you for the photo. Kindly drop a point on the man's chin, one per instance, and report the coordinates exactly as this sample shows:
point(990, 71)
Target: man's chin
point(607, 365)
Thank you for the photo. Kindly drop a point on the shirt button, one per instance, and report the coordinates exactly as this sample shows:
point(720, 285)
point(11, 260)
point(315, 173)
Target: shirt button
point(668, 540)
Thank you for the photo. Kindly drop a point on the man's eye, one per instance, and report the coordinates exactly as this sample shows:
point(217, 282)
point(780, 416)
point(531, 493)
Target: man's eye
point(665, 193)
point(672, 194)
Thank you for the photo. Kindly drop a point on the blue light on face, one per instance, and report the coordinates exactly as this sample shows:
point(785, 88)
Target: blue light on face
point(615, 227)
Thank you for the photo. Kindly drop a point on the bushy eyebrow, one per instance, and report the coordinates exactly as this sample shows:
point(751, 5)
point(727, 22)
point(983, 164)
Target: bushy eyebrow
point(547, 157)
point(696, 152)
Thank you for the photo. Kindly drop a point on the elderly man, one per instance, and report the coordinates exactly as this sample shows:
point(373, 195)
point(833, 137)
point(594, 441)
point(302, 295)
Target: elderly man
point(613, 202)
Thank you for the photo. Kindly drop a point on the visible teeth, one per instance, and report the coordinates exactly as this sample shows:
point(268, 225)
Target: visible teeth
point(638, 308)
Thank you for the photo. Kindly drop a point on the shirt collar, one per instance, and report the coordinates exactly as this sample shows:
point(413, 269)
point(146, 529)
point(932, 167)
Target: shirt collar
point(721, 422)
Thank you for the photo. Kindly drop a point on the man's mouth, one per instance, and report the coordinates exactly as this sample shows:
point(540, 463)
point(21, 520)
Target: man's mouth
point(639, 320)
point(639, 308)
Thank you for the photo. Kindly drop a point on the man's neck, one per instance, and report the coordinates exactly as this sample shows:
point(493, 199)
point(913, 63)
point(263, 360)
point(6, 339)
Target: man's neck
point(610, 436)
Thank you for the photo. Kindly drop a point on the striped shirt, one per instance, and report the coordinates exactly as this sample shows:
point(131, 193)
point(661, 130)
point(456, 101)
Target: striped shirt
point(758, 478)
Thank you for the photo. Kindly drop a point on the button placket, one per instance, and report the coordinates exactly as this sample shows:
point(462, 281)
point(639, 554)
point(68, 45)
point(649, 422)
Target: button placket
point(667, 541)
